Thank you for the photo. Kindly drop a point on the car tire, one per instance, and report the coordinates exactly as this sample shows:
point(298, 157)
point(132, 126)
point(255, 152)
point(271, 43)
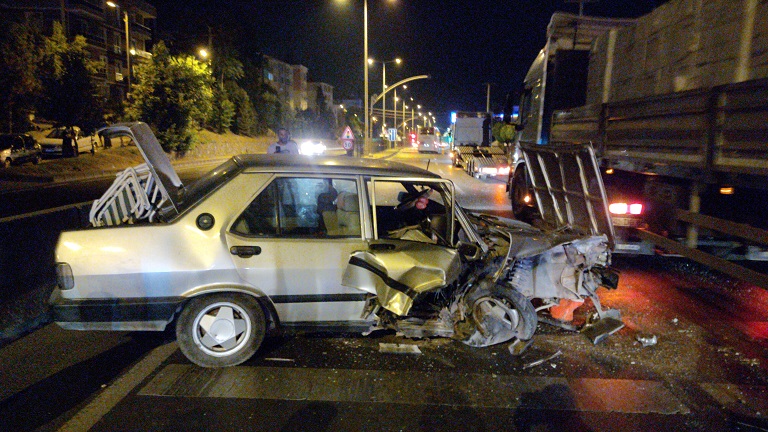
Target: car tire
point(220, 330)
point(493, 311)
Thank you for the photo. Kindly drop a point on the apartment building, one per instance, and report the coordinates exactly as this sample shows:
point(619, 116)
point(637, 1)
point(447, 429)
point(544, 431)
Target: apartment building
point(325, 89)
point(289, 82)
point(120, 45)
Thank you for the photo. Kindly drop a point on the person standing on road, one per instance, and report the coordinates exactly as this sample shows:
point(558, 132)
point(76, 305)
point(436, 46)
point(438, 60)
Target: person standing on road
point(67, 147)
point(284, 143)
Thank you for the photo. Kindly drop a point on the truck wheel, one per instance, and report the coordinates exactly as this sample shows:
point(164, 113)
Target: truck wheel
point(518, 190)
point(220, 330)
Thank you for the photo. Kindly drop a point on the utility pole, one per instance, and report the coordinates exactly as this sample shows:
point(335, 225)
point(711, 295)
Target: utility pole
point(488, 97)
point(581, 4)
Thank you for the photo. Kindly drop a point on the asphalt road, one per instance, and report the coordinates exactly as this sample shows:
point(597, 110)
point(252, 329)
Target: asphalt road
point(708, 368)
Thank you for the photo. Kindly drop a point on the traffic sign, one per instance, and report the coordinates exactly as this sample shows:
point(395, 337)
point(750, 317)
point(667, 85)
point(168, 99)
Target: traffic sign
point(347, 144)
point(392, 134)
point(347, 134)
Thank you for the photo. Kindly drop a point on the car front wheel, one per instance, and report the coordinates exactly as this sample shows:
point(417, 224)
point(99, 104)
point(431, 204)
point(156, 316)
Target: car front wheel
point(220, 330)
point(500, 315)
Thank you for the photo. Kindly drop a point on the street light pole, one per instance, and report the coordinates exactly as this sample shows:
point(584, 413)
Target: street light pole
point(127, 46)
point(127, 54)
point(394, 116)
point(366, 143)
point(384, 99)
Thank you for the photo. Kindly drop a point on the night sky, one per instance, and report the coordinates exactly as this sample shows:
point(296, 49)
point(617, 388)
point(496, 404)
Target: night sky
point(461, 44)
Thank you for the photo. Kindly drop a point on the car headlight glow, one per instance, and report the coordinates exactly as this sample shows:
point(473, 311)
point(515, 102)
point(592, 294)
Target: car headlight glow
point(312, 148)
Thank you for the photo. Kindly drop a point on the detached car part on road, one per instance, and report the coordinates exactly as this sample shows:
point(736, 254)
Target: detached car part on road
point(285, 240)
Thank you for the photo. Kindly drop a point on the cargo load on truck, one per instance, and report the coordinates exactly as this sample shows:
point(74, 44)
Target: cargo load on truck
point(676, 105)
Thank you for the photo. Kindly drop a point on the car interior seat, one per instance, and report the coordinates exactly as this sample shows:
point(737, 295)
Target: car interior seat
point(347, 214)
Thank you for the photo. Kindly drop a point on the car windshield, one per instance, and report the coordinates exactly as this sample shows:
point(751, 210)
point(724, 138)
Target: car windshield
point(56, 133)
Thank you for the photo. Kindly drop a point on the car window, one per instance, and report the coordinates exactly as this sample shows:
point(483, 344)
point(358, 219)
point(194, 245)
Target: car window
point(56, 133)
point(18, 143)
point(411, 210)
point(303, 207)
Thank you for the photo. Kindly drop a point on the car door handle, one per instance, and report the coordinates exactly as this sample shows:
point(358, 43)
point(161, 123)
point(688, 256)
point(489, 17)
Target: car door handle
point(381, 246)
point(245, 251)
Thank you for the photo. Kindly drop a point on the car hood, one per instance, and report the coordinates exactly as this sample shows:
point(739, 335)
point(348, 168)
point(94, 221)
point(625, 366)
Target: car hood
point(157, 160)
point(568, 189)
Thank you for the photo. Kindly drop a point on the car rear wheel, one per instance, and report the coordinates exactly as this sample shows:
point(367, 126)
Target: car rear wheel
point(220, 330)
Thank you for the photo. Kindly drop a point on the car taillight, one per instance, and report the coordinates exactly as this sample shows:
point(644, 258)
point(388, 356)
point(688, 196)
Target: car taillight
point(625, 208)
point(64, 277)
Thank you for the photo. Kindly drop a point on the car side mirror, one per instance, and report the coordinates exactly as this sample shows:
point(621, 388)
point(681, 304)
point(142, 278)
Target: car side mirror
point(469, 251)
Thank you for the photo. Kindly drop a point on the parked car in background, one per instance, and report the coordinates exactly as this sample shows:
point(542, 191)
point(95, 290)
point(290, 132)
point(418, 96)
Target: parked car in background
point(290, 240)
point(16, 149)
point(52, 143)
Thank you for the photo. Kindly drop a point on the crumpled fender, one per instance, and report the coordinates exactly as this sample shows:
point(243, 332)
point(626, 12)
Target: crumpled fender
point(400, 272)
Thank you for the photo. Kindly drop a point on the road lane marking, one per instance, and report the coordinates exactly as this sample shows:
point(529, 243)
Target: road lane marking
point(114, 393)
point(416, 388)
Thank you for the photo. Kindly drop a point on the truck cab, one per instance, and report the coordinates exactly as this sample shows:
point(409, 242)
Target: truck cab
point(558, 80)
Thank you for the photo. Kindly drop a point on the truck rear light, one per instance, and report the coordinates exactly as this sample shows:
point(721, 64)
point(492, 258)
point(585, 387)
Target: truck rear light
point(618, 208)
point(624, 208)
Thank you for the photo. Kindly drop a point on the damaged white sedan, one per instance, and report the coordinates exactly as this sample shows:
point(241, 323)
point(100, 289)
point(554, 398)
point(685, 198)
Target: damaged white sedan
point(279, 240)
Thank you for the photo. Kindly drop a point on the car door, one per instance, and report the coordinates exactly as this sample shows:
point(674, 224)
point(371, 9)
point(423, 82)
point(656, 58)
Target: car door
point(293, 241)
point(413, 250)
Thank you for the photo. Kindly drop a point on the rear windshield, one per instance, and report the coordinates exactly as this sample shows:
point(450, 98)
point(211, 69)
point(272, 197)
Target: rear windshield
point(208, 183)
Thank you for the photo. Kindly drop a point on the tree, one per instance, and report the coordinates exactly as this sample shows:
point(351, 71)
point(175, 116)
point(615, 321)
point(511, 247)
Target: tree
point(263, 96)
point(173, 95)
point(19, 83)
point(223, 110)
point(70, 94)
point(503, 132)
point(352, 118)
point(244, 122)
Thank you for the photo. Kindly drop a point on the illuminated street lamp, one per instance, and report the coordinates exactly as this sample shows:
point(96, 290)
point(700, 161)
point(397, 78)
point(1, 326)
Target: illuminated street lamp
point(127, 46)
point(384, 87)
point(203, 53)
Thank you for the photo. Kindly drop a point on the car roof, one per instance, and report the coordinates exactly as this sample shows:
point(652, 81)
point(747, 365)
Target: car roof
point(172, 187)
point(278, 163)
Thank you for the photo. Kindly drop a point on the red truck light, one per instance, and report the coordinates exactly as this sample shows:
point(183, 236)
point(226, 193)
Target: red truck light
point(624, 208)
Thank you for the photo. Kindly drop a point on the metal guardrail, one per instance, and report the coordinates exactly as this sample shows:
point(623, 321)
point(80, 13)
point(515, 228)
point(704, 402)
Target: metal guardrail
point(734, 229)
